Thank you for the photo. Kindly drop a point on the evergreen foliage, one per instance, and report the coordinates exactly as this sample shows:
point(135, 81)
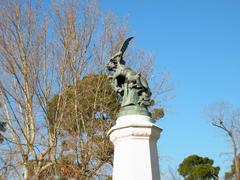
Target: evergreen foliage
point(96, 111)
point(195, 167)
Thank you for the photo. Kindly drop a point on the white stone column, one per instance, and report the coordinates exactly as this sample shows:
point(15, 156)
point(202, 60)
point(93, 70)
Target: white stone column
point(135, 150)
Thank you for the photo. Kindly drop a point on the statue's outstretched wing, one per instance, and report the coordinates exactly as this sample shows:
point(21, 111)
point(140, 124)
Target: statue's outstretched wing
point(125, 44)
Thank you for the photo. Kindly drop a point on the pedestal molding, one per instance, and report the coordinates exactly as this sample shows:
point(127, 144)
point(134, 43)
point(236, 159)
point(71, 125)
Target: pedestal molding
point(134, 131)
point(135, 150)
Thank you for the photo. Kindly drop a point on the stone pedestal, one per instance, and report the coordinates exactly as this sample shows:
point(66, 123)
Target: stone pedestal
point(135, 150)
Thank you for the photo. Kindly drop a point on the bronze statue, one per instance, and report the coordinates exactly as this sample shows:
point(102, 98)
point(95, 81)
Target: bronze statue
point(131, 86)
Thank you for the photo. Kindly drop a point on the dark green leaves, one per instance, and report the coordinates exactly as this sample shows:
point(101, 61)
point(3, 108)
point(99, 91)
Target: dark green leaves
point(195, 167)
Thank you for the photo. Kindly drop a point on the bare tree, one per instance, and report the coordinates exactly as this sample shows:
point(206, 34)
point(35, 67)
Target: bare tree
point(173, 174)
point(227, 119)
point(23, 62)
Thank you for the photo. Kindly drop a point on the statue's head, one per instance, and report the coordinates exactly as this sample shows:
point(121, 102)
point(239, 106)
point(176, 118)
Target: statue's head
point(117, 59)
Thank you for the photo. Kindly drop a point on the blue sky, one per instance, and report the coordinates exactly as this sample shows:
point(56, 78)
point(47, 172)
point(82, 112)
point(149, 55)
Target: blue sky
point(198, 42)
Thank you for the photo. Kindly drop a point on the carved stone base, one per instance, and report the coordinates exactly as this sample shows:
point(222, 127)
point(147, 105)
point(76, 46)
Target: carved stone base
point(135, 149)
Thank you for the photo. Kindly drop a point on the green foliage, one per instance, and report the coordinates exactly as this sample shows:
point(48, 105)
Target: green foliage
point(92, 101)
point(195, 167)
point(157, 113)
point(86, 112)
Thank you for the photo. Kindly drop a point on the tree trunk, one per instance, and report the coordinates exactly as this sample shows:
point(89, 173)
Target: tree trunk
point(26, 172)
point(236, 161)
point(237, 167)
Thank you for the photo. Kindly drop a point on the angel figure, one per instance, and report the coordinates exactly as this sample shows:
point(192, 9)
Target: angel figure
point(131, 86)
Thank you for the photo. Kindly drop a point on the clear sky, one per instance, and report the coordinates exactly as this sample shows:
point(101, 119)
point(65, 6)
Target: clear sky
point(198, 42)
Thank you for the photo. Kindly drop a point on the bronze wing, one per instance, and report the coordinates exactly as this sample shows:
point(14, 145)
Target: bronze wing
point(125, 44)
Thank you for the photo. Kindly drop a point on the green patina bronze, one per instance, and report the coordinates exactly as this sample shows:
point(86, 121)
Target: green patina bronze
point(132, 87)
